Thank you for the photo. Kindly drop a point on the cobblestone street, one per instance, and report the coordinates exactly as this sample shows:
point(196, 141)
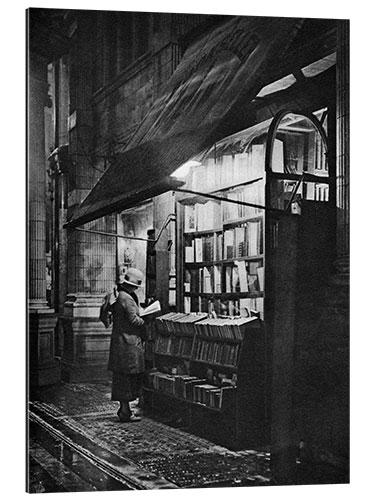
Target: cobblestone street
point(77, 444)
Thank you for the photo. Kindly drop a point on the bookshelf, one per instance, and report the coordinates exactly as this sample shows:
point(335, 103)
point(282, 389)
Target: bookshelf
point(222, 239)
point(231, 196)
point(212, 371)
point(255, 229)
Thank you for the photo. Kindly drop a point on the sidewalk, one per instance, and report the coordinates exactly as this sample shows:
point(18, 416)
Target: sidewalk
point(78, 444)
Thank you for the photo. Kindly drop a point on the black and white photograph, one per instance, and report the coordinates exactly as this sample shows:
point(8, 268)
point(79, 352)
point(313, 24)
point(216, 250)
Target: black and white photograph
point(187, 248)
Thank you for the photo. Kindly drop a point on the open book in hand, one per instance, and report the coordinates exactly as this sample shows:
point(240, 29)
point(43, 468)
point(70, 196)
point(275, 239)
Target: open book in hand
point(151, 309)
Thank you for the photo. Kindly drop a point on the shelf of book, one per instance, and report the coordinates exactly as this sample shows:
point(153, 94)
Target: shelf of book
point(235, 240)
point(223, 261)
point(223, 356)
point(222, 255)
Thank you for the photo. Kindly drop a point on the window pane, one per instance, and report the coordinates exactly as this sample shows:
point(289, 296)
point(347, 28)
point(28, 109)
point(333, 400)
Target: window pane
point(299, 147)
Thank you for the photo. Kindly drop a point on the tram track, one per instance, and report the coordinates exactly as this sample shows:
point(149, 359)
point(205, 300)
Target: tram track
point(95, 464)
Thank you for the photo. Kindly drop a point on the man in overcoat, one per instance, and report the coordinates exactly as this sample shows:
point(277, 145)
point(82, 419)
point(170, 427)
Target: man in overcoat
point(126, 356)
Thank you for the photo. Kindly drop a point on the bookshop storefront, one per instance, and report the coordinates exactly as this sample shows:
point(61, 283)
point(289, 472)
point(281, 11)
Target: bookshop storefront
point(251, 181)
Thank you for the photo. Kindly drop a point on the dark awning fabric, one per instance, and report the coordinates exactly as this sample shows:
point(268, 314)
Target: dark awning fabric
point(197, 108)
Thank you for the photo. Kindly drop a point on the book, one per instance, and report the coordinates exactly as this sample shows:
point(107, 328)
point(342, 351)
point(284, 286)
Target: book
point(189, 386)
point(242, 274)
point(200, 217)
point(235, 279)
point(187, 304)
point(211, 178)
point(198, 250)
point(189, 253)
point(252, 280)
point(260, 274)
point(231, 210)
point(194, 280)
point(217, 279)
point(187, 281)
point(219, 246)
point(207, 280)
point(257, 160)
point(201, 393)
point(208, 248)
point(151, 309)
point(190, 222)
point(239, 235)
point(241, 167)
point(253, 238)
point(229, 244)
point(250, 196)
point(227, 170)
point(212, 215)
point(228, 279)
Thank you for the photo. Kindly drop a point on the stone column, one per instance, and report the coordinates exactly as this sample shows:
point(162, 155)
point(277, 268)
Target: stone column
point(91, 258)
point(343, 160)
point(44, 368)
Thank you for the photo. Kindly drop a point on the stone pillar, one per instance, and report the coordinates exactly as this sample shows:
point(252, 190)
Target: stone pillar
point(343, 160)
point(44, 368)
point(91, 258)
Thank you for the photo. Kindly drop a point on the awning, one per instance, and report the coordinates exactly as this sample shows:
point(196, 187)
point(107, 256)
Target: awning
point(198, 107)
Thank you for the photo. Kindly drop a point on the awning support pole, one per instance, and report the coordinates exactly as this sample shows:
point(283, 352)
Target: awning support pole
point(170, 218)
point(114, 235)
point(220, 198)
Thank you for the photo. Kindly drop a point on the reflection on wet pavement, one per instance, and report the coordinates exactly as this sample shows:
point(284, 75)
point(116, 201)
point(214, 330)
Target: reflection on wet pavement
point(79, 443)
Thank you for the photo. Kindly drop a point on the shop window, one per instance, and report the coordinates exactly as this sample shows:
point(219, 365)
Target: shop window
point(234, 188)
point(132, 251)
point(298, 163)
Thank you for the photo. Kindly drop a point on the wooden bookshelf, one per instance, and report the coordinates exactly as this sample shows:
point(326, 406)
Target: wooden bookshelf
point(254, 236)
point(225, 356)
point(221, 242)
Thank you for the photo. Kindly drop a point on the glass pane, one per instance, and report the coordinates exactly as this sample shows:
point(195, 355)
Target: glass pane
point(235, 160)
point(285, 193)
point(299, 147)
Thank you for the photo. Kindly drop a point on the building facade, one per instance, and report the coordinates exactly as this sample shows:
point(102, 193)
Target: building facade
point(133, 96)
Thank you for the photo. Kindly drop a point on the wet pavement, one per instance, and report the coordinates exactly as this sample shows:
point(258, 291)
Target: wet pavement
point(78, 444)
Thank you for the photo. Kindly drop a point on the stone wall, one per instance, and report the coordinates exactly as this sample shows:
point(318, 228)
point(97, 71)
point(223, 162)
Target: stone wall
point(104, 120)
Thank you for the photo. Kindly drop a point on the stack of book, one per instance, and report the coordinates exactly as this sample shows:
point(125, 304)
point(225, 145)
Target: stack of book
point(204, 394)
point(202, 216)
point(178, 323)
point(197, 337)
point(222, 328)
point(210, 395)
point(245, 240)
point(189, 387)
point(163, 382)
point(244, 277)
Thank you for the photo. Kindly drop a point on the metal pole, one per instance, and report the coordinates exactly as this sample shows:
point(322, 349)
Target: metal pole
point(219, 198)
point(114, 235)
point(170, 218)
